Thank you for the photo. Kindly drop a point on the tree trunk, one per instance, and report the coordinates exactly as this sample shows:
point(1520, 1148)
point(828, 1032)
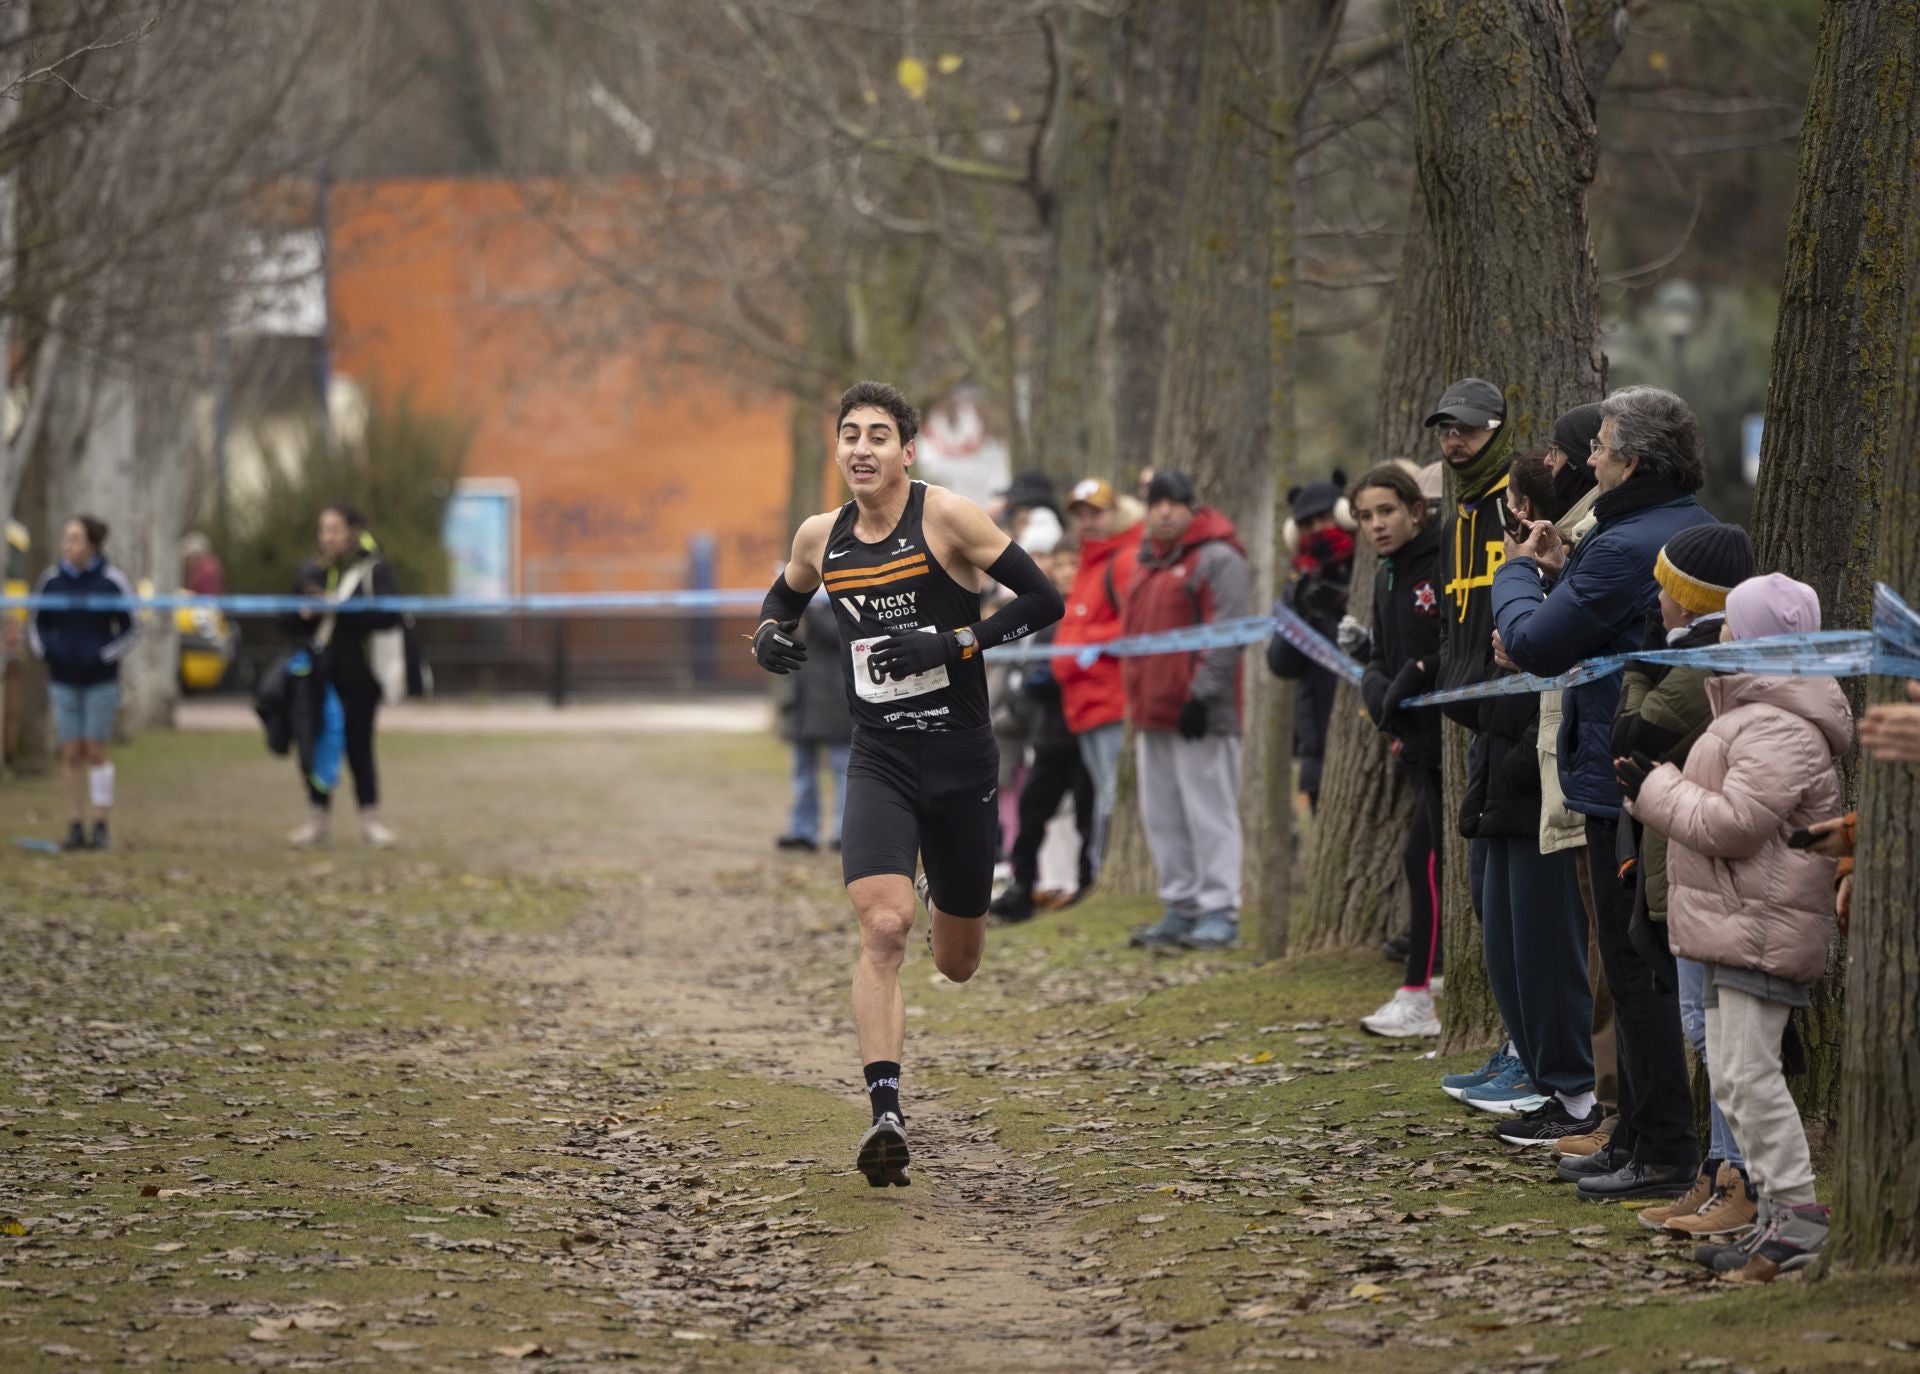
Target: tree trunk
point(1159, 85)
point(1072, 431)
point(1839, 464)
point(1159, 88)
point(1505, 146)
point(1356, 893)
point(1215, 419)
point(1831, 427)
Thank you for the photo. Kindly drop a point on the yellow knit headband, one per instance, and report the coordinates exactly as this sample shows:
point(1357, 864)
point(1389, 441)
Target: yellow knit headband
point(1690, 592)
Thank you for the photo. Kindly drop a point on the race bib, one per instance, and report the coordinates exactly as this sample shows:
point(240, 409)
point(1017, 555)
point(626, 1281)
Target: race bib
point(871, 685)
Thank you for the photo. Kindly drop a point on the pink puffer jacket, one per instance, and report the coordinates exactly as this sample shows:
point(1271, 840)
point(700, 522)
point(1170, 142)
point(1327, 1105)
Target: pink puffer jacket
point(1739, 894)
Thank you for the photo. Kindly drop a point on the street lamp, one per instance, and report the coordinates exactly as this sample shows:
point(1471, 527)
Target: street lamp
point(1677, 309)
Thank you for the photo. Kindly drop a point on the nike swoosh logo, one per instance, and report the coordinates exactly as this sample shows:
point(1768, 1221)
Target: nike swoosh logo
point(842, 554)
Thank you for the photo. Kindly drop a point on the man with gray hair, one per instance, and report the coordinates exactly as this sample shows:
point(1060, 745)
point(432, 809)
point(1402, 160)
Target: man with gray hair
point(1551, 609)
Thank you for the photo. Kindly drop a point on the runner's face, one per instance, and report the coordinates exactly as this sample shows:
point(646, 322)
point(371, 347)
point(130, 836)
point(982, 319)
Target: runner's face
point(869, 453)
point(1387, 522)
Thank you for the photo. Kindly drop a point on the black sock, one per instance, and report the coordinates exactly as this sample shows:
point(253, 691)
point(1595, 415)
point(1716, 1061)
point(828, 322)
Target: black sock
point(883, 1088)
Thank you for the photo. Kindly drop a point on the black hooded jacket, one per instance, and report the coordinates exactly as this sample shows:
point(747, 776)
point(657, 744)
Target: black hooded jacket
point(1406, 636)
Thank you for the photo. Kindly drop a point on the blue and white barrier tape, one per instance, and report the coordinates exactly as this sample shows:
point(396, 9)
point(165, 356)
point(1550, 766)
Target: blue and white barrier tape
point(1891, 648)
point(551, 603)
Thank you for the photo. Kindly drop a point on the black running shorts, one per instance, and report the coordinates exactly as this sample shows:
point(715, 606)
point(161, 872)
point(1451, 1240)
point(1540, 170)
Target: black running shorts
point(930, 795)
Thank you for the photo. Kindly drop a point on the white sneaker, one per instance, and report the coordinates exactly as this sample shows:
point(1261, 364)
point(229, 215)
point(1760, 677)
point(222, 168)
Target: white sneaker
point(1407, 1013)
point(375, 834)
point(312, 835)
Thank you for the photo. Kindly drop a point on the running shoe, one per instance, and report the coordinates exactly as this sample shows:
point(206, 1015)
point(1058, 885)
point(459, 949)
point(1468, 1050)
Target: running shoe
point(1510, 1094)
point(1546, 1123)
point(883, 1153)
point(1455, 1085)
point(1408, 1012)
point(1166, 933)
point(1215, 930)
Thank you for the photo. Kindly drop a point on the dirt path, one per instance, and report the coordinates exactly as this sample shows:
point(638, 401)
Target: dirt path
point(725, 953)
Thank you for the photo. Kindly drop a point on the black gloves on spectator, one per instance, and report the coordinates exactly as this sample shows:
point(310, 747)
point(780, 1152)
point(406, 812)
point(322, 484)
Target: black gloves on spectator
point(1631, 772)
point(1193, 720)
point(775, 647)
point(901, 656)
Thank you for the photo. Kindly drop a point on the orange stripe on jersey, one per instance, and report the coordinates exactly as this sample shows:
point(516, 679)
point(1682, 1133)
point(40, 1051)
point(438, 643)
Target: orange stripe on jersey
point(904, 567)
point(849, 584)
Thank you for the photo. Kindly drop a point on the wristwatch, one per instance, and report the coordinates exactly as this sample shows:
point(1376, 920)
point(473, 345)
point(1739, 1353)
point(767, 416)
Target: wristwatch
point(969, 645)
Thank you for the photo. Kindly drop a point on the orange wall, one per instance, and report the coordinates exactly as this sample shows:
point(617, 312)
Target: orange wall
point(462, 292)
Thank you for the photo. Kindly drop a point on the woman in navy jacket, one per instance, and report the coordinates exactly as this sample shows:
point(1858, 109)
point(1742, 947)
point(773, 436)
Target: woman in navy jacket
point(82, 650)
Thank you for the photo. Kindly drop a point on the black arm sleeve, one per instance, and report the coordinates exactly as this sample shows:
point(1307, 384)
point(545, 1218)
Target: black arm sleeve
point(1035, 603)
point(783, 603)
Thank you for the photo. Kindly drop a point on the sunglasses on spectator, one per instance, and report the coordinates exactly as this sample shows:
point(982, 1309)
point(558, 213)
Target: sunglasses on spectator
point(1459, 431)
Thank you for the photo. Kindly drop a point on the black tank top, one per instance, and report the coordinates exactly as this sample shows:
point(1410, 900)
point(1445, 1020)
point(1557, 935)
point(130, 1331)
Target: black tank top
point(896, 586)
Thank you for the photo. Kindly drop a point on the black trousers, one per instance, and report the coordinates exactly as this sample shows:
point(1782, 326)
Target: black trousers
point(1656, 1098)
point(1054, 772)
point(358, 704)
point(1421, 861)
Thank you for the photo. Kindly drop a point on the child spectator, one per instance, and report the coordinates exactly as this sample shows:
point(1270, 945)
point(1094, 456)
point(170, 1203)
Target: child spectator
point(1320, 535)
point(1393, 515)
point(1752, 908)
point(1663, 711)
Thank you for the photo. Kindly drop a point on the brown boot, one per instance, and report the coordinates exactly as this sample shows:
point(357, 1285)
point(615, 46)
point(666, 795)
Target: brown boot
point(1696, 1197)
point(1579, 1146)
point(1731, 1207)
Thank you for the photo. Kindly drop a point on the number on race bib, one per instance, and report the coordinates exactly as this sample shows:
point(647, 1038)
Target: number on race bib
point(872, 685)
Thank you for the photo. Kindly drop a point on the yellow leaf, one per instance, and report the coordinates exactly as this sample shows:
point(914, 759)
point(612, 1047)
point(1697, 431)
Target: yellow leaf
point(912, 75)
point(1168, 1189)
point(1264, 1057)
point(1657, 60)
point(12, 1227)
point(948, 64)
point(1367, 1290)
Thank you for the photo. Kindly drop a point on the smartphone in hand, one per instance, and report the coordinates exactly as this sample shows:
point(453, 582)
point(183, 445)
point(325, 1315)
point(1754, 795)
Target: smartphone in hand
point(1802, 838)
point(1515, 527)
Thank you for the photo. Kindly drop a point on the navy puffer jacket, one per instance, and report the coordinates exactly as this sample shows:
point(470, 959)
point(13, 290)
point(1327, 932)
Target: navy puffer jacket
point(1598, 606)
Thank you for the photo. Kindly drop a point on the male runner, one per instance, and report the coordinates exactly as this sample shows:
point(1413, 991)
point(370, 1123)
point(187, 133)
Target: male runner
point(904, 564)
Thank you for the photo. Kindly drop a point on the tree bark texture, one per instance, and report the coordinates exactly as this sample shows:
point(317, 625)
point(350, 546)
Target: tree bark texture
point(1505, 146)
point(1072, 431)
point(1877, 1162)
point(1355, 890)
point(1215, 419)
point(1160, 84)
point(1832, 422)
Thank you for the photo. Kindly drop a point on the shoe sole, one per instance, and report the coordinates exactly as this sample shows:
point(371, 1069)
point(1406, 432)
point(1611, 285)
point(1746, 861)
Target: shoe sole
point(1657, 1191)
point(1399, 1032)
point(1692, 1234)
point(1526, 1139)
point(1513, 1106)
point(883, 1159)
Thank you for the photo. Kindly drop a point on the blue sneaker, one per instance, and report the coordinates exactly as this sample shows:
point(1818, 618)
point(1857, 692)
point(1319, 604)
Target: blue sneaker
point(1215, 930)
point(1455, 1085)
point(1165, 933)
point(1510, 1094)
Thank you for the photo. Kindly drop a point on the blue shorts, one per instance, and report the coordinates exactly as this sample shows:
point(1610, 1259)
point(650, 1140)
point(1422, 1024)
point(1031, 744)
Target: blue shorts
point(84, 712)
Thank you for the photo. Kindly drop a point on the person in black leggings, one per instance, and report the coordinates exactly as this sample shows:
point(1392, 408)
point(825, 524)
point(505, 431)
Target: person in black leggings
point(349, 568)
point(1392, 513)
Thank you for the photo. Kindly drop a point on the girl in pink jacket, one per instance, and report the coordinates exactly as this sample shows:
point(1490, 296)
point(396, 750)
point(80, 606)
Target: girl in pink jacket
point(1757, 911)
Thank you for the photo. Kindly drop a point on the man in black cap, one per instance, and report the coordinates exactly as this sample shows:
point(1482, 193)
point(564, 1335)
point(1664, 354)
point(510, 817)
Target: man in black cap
point(1320, 534)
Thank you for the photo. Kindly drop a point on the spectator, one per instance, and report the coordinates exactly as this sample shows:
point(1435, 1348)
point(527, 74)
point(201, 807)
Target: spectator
point(1560, 828)
point(200, 569)
point(1554, 609)
point(357, 653)
point(1090, 693)
point(1185, 709)
point(1393, 515)
point(1055, 771)
point(1532, 923)
point(1475, 447)
point(1753, 909)
point(1663, 710)
point(815, 721)
point(1032, 513)
point(82, 650)
point(1320, 533)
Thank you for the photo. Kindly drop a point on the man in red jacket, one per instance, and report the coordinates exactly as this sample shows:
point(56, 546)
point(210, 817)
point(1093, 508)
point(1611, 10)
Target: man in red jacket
point(1185, 709)
point(1091, 694)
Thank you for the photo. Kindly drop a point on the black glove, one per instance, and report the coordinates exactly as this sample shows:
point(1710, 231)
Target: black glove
point(776, 649)
point(1193, 720)
point(901, 656)
point(1631, 772)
